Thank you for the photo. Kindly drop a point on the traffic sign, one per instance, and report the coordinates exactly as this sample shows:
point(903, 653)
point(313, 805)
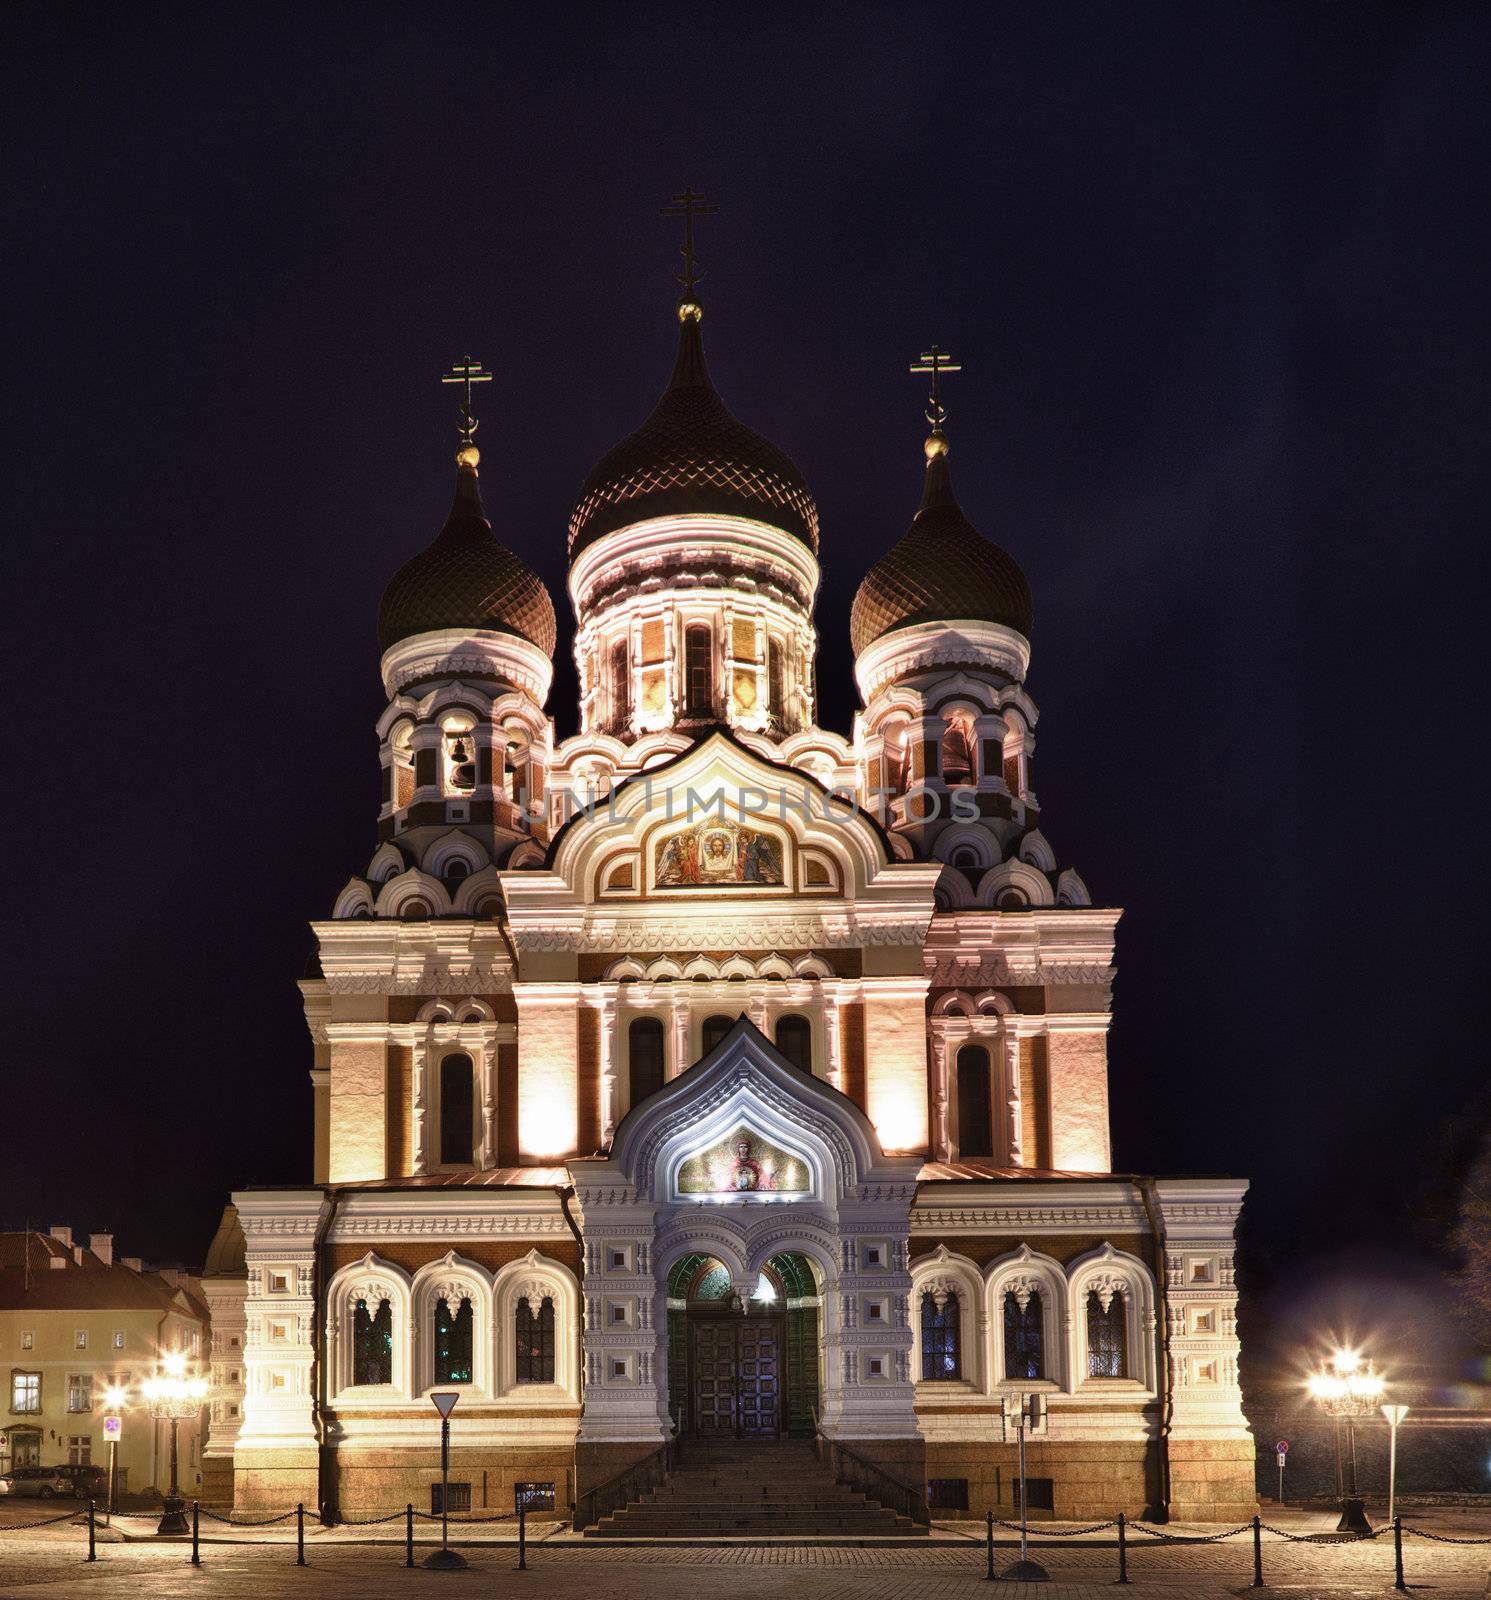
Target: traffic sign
point(445, 1401)
point(1282, 1447)
point(113, 1428)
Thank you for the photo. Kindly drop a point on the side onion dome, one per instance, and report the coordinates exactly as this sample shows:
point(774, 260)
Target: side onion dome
point(944, 570)
point(691, 455)
point(465, 579)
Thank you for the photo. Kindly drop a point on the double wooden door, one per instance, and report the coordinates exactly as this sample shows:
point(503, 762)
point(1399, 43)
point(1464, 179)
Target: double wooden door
point(735, 1366)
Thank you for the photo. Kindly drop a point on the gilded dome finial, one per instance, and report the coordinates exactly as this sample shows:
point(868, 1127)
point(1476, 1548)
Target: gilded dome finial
point(689, 205)
point(936, 361)
point(466, 373)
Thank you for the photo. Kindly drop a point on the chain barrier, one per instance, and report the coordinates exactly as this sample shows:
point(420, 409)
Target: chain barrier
point(247, 1522)
point(1190, 1538)
point(1441, 1538)
point(1042, 1531)
point(456, 1519)
point(44, 1522)
point(1324, 1538)
point(371, 1522)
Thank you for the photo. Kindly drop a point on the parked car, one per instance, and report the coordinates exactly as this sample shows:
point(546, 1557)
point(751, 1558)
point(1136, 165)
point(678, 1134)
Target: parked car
point(45, 1482)
point(88, 1483)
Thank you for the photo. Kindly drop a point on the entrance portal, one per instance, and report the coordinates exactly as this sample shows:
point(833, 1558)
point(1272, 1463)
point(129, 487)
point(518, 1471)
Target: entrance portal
point(743, 1371)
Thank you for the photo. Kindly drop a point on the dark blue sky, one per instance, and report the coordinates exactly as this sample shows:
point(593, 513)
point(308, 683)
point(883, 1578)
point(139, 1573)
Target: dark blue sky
point(1216, 279)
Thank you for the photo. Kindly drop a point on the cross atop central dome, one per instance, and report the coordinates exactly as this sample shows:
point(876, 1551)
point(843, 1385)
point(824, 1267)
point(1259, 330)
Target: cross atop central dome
point(692, 456)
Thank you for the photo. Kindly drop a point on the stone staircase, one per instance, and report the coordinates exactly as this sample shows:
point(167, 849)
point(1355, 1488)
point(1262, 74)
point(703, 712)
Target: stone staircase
point(753, 1490)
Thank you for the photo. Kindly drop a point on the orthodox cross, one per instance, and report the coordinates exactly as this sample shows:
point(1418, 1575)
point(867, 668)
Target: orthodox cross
point(936, 361)
point(689, 205)
point(466, 373)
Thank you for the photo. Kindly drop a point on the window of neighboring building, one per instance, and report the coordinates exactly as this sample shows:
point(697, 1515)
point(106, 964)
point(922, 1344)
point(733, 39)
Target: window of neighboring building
point(79, 1450)
point(28, 1338)
point(80, 1391)
point(118, 1338)
point(372, 1343)
point(975, 1113)
point(715, 1029)
point(1107, 1341)
point(795, 1041)
point(25, 1392)
point(645, 1057)
point(452, 1342)
point(80, 1339)
point(621, 686)
point(1024, 1338)
point(457, 1111)
point(941, 1339)
point(535, 1337)
point(698, 673)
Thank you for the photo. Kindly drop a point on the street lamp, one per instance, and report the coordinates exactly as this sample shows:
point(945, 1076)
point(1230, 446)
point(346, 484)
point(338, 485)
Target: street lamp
point(113, 1407)
point(1346, 1386)
point(173, 1395)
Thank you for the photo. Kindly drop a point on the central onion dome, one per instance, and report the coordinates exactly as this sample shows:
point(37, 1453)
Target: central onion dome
point(691, 455)
point(944, 570)
point(465, 579)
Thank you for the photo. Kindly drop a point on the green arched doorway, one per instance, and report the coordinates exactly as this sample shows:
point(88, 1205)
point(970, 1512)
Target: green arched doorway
point(744, 1372)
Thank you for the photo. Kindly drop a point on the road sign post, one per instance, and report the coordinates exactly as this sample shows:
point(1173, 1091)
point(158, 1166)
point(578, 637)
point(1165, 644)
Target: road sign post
point(445, 1558)
point(1394, 1415)
point(1032, 1410)
point(113, 1432)
point(1281, 1449)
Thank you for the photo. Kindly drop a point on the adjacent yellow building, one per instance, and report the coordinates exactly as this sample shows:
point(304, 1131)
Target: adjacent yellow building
point(75, 1321)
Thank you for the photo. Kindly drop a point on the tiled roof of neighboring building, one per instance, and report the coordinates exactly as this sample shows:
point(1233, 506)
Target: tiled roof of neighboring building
point(86, 1284)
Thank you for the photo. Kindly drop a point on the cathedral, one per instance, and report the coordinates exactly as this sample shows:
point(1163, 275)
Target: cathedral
point(711, 1077)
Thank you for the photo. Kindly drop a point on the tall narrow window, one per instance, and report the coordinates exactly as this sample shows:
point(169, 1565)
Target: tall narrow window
point(621, 686)
point(1107, 1337)
point(645, 1057)
point(776, 679)
point(795, 1041)
point(942, 1326)
point(715, 1029)
point(372, 1343)
point(975, 1119)
point(698, 674)
point(452, 1342)
point(1024, 1337)
point(535, 1336)
point(457, 1111)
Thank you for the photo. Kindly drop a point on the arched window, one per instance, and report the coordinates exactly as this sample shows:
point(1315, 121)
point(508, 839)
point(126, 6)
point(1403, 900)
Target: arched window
point(455, 870)
point(795, 1041)
point(715, 1029)
point(645, 1057)
point(457, 1111)
point(776, 678)
point(372, 1343)
point(975, 1118)
point(957, 753)
point(1024, 1337)
point(942, 1354)
point(535, 1337)
point(452, 1342)
point(621, 686)
point(897, 757)
point(1107, 1337)
point(698, 671)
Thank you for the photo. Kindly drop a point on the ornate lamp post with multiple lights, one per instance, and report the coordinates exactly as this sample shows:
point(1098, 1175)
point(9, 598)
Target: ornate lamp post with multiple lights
point(1347, 1387)
point(174, 1395)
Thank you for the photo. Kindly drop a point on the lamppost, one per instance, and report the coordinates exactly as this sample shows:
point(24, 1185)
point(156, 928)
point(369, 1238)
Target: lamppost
point(174, 1396)
point(1348, 1387)
point(113, 1407)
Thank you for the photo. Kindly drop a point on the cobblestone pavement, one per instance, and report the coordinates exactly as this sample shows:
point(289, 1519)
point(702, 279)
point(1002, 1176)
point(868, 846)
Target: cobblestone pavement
point(50, 1565)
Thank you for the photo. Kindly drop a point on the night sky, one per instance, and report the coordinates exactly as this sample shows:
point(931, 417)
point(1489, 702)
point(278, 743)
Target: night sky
point(1214, 275)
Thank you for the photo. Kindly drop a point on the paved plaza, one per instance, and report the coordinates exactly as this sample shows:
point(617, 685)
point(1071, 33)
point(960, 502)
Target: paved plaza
point(348, 1562)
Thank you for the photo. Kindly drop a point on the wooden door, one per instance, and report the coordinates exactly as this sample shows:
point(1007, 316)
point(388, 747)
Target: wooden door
point(713, 1356)
point(759, 1386)
point(736, 1377)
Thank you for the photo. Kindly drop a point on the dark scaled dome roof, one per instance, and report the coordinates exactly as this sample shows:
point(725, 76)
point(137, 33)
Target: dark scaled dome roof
point(691, 455)
point(465, 579)
point(944, 570)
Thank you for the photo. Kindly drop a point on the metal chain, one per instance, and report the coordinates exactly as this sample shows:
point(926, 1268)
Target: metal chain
point(466, 1521)
point(45, 1522)
point(1316, 1538)
point(1040, 1530)
point(1442, 1538)
point(372, 1522)
point(1189, 1538)
point(247, 1522)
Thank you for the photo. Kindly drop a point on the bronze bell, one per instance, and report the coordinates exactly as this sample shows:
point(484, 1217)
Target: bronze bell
point(463, 769)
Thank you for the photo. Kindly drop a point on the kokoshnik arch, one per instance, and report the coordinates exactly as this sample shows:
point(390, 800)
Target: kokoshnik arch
point(589, 1084)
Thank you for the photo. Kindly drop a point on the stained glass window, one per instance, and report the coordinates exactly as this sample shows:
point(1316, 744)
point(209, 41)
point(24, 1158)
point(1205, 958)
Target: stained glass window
point(941, 1338)
point(714, 1284)
point(452, 1342)
point(372, 1343)
point(1024, 1338)
point(1107, 1337)
point(535, 1335)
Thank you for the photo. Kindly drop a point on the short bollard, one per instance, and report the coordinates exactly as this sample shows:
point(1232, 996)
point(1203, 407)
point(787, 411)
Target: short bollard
point(989, 1547)
point(300, 1535)
point(1123, 1548)
point(1257, 1552)
point(1398, 1582)
point(409, 1534)
point(93, 1547)
point(196, 1534)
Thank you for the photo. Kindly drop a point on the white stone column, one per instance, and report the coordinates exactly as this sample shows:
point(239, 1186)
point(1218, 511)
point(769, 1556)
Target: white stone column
point(680, 1030)
point(833, 1039)
point(606, 1006)
point(420, 1073)
point(941, 1145)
